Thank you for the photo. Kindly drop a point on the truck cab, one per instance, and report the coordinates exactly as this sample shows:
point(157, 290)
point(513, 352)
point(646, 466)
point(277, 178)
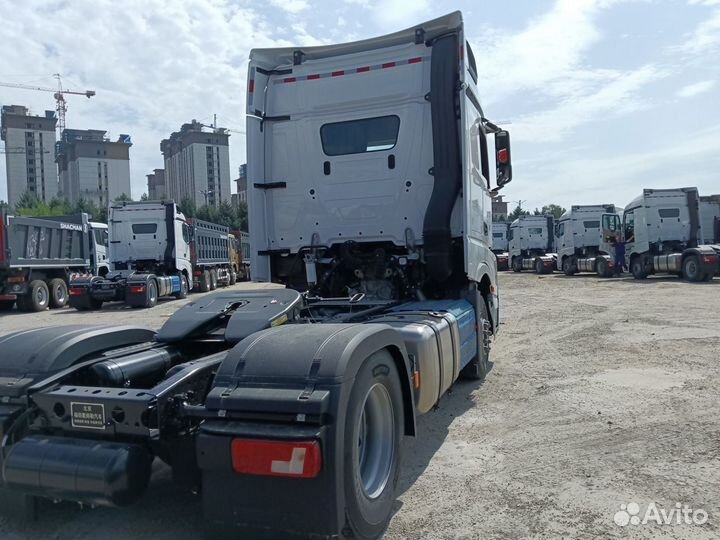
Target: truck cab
point(710, 219)
point(531, 244)
point(585, 237)
point(500, 233)
point(662, 232)
point(99, 248)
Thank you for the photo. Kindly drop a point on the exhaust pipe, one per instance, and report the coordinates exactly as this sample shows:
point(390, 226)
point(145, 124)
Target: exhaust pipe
point(92, 472)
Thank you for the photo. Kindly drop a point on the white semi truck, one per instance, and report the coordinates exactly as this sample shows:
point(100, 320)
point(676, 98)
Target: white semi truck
point(284, 409)
point(662, 234)
point(710, 219)
point(585, 236)
point(531, 244)
point(500, 244)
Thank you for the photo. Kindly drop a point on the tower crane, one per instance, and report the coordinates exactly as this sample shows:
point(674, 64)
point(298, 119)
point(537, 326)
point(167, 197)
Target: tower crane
point(59, 95)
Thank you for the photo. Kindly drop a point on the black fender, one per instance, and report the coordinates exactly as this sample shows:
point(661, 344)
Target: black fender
point(707, 257)
point(28, 356)
point(303, 374)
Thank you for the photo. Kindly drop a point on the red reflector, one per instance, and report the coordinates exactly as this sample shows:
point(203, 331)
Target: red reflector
point(388, 65)
point(363, 69)
point(710, 259)
point(313, 76)
point(502, 155)
point(416, 60)
point(137, 289)
point(289, 79)
point(251, 86)
point(16, 279)
point(276, 458)
point(337, 73)
point(76, 292)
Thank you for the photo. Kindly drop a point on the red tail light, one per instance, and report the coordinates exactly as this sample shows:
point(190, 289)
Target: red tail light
point(711, 259)
point(16, 279)
point(76, 292)
point(137, 289)
point(294, 459)
point(502, 156)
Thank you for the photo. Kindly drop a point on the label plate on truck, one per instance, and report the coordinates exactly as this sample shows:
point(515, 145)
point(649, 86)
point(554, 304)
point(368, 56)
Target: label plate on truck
point(87, 415)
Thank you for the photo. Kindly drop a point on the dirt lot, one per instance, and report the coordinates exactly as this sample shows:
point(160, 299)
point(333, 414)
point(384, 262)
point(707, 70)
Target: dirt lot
point(603, 392)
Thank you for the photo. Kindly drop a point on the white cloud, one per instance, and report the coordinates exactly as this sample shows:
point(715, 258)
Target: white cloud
point(706, 36)
point(615, 97)
point(692, 90)
point(291, 6)
point(154, 65)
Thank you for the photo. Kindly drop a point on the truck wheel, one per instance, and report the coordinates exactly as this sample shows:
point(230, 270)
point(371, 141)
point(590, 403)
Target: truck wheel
point(58, 293)
point(205, 281)
point(184, 288)
point(37, 297)
point(691, 269)
point(86, 303)
point(479, 366)
point(151, 297)
point(374, 426)
point(6, 305)
point(637, 268)
point(539, 266)
point(602, 268)
point(233, 276)
point(516, 264)
point(213, 279)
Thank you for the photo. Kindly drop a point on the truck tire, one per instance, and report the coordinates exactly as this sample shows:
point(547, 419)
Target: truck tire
point(516, 264)
point(479, 367)
point(637, 268)
point(36, 299)
point(151, 294)
point(6, 305)
point(691, 269)
point(233, 276)
point(567, 266)
point(374, 427)
point(58, 293)
point(602, 268)
point(213, 279)
point(86, 303)
point(205, 281)
point(184, 288)
point(539, 266)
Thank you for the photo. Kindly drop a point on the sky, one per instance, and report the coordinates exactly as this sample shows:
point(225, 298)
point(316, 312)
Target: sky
point(602, 97)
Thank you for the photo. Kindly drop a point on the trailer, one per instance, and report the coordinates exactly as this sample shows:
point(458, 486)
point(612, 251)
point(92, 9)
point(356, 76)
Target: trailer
point(39, 255)
point(585, 238)
point(661, 228)
point(531, 244)
point(500, 244)
point(210, 255)
point(285, 410)
point(150, 256)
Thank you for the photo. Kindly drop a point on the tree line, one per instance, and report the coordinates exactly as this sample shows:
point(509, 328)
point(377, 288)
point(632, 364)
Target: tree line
point(235, 218)
point(554, 210)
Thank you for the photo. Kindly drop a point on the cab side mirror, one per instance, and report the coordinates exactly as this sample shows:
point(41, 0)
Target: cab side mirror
point(502, 158)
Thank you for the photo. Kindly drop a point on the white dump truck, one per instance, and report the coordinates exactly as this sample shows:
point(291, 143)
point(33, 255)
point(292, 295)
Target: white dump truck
point(500, 244)
point(531, 244)
point(661, 228)
point(585, 238)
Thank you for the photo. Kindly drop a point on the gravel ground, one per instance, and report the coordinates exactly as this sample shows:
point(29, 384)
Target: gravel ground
point(603, 392)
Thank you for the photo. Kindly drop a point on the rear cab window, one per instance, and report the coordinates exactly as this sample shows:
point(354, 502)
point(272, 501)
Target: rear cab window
point(360, 136)
point(144, 228)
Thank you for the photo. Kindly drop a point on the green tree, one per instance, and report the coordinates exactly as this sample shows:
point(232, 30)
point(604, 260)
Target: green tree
point(516, 213)
point(553, 209)
point(144, 197)
point(187, 206)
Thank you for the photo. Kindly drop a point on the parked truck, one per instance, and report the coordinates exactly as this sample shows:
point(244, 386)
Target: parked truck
point(662, 235)
point(710, 219)
point(39, 255)
point(211, 255)
point(240, 255)
point(531, 245)
point(286, 410)
point(585, 238)
point(500, 244)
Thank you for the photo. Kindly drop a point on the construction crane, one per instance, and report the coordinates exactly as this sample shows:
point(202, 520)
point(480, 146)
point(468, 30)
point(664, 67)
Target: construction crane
point(214, 126)
point(59, 95)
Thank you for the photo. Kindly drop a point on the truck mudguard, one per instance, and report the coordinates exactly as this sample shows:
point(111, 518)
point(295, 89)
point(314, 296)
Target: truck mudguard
point(302, 374)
